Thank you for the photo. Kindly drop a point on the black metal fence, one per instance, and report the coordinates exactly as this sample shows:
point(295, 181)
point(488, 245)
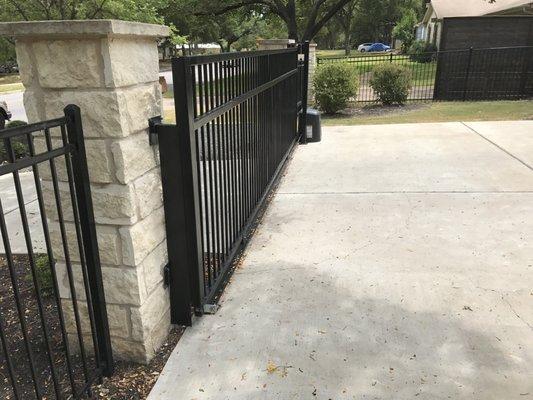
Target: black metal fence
point(236, 117)
point(485, 74)
point(51, 347)
point(423, 74)
point(471, 74)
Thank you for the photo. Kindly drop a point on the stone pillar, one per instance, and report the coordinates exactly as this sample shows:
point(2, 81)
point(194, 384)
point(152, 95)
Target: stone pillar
point(273, 44)
point(312, 70)
point(110, 70)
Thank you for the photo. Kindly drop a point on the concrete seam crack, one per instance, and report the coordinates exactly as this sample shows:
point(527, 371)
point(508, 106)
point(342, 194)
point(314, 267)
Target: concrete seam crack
point(499, 147)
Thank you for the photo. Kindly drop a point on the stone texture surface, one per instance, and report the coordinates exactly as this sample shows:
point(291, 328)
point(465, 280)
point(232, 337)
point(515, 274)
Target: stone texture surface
point(140, 239)
point(100, 161)
point(133, 157)
point(110, 70)
point(123, 69)
point(74, 63)
point(25, 58)
point(114, 204)
point(153, 268)
point(83, 29)
point(149, 192)
point(122, 285)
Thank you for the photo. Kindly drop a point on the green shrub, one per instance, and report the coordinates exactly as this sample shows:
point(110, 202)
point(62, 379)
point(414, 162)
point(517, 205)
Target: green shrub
point(334, 85)
point(391, 83)
point(20, 147)
point(15, 123)
point(43, 272)
point(422, 51)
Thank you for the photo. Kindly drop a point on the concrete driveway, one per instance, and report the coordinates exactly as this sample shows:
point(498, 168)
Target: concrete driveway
point(395, 262)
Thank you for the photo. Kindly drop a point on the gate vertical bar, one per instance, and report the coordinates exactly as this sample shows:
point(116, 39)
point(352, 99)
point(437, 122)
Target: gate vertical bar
point(104, 354)
point(304, 93)
point(467, 77)
point(179, 174)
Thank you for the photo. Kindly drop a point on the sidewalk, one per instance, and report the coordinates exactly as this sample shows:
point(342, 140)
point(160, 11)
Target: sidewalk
point(395, 262)
point(12, 214)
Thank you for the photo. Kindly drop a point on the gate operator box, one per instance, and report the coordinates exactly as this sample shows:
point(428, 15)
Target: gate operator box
point(313, 129)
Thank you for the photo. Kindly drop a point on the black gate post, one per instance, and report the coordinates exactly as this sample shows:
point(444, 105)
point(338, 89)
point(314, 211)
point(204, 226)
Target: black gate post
point(177, 147)
point(103, 352)
point(304, 92)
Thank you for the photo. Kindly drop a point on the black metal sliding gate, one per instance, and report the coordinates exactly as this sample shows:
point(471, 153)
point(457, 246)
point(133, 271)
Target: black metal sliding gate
point(237, 123)
point(52, 347)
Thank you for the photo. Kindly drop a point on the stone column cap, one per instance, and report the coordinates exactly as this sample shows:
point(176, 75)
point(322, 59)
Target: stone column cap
point(82, 28)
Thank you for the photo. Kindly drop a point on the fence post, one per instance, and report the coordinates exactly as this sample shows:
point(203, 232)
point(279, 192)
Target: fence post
point(103, 351)
point(305, 89)
point(465, 90)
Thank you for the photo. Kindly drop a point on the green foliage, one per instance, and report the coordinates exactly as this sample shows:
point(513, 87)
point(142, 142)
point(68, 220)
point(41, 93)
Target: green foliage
point(391, 83)
point(20, 147)
point(130, 10)
point(14, 123)
point(405, 29)
point(7, 51)
point(422, 51)
point(334, 85)
point(375, 19)
point(43, 272)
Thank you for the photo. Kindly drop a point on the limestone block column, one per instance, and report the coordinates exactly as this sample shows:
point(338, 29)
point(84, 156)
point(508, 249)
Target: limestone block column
point(312, 70)
point(110, 70)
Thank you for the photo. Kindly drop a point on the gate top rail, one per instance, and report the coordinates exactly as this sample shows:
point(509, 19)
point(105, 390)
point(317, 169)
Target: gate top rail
point(388, 55)
point(221, 82)
point(208, 58)
point(30, 128)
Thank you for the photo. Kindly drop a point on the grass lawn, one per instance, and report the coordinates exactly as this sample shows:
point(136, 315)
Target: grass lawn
point(423, 112)
point(436, 112)
point(10, 83)
point(340, 53)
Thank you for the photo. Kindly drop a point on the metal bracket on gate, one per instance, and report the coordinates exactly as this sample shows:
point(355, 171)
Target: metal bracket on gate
point(210, 308)
point(155, 127)
point(166, 275)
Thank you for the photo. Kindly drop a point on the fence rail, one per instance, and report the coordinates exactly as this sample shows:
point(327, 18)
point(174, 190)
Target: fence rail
point(470, 74)
point(50, 347)
point(236, 119)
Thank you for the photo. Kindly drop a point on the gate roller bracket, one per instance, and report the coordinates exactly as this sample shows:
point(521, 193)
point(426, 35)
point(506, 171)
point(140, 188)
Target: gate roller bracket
point(210, 308)
point(155, 127)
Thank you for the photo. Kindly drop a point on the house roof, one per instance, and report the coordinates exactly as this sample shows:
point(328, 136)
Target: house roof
point(473, 8)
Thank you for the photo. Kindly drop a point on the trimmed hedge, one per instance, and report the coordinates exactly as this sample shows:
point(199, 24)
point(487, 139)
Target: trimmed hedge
point(335, 84)
point(422, 51)
point(391, 83)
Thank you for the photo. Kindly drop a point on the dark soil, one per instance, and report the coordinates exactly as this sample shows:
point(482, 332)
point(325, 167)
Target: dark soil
point(373, 110)
point(134, 381)
point(130, 381)
point(16, 345)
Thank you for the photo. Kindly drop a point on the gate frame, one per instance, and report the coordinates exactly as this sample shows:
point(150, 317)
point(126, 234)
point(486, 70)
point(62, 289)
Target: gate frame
point(179, 174)
point(73, 149)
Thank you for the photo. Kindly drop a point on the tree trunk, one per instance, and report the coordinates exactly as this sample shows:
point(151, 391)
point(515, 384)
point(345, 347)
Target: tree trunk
point(347, 43)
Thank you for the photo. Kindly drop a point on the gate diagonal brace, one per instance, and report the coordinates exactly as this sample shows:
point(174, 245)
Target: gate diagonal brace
point(155, 127)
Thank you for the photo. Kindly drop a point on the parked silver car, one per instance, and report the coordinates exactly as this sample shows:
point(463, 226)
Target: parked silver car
point(5, 114)
point(364, 47)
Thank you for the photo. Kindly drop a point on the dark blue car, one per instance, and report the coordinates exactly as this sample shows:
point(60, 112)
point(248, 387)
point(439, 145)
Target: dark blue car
point(377, 47)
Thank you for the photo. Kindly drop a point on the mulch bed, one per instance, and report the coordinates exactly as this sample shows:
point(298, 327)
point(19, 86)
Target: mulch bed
point(134, 381)
point(130, 381)
point(377, 110)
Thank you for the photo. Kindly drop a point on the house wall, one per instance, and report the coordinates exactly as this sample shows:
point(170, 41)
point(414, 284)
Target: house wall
point(483, 32)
